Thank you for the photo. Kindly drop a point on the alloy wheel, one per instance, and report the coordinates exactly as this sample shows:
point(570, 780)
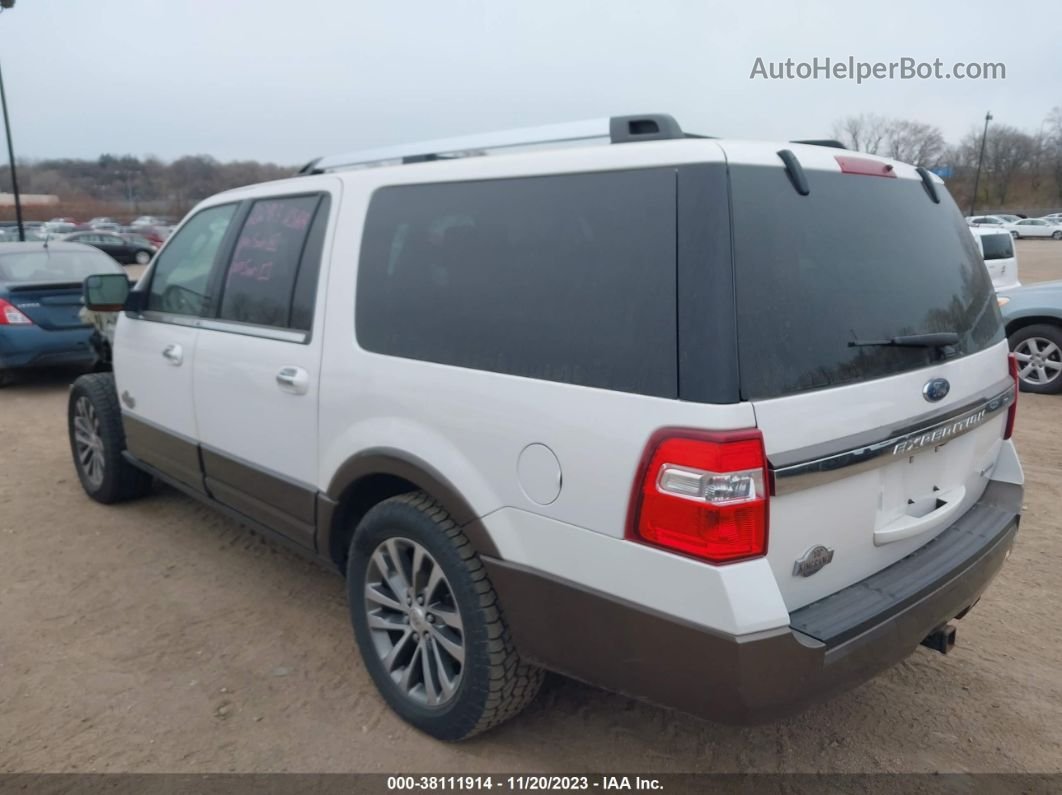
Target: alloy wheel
point(1039, 361)
point(88, 442)
point(415, 624)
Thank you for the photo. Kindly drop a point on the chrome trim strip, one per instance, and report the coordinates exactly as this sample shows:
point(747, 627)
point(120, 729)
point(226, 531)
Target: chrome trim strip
point(266, 332)
point(211, 324)
point(909, 442)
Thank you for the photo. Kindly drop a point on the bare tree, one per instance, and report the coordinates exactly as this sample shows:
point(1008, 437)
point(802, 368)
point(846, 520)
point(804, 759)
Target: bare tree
point(901, 139)
point(1008, 151)
point(1053, 147)
point(865, 133)
point(914, 142)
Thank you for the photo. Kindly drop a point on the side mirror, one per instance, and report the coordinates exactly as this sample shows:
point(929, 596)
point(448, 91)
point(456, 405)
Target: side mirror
point(106, 292)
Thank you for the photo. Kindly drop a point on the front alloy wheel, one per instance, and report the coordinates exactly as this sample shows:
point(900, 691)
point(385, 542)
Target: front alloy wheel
point(88, 444)
point(97, 441)
point(414, 621)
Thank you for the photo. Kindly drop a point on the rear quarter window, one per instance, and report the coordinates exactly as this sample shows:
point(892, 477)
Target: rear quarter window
point(563, 278)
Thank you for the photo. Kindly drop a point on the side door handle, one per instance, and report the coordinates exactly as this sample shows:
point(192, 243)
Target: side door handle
point(173, 354)
point(294, 380)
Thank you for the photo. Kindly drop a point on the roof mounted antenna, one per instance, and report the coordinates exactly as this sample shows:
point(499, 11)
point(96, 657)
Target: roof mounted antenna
point(615, 130)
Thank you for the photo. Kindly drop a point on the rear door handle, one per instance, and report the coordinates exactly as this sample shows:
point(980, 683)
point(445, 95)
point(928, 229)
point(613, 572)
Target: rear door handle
point(173, 354)
point(294, 380)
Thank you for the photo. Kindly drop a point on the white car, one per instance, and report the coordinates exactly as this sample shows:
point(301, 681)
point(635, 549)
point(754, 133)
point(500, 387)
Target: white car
point(1035, 227)
point(1053, 218)
point(643, 413)
point(997, 249)
point(148, 220)
point(994, 221)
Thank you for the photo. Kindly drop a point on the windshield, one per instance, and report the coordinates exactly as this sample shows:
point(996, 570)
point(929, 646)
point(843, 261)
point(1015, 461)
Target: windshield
point(52, 267)
point(858, 259)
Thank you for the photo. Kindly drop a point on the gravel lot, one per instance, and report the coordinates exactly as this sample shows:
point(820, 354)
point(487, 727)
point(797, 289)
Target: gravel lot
point(158, 636)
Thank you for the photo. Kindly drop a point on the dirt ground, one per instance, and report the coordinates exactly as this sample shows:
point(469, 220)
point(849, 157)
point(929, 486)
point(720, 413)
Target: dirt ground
point(158, 636)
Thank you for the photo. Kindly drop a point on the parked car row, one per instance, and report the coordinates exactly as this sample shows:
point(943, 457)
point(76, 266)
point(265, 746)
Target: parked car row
point(1050, 226)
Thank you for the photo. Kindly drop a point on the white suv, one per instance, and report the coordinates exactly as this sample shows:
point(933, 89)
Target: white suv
point(997, 248)
point(579, 408)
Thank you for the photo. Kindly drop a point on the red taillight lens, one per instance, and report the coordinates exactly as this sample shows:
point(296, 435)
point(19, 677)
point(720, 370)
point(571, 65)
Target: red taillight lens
point(12, 316)
point(703, 494)
point(1012, 412)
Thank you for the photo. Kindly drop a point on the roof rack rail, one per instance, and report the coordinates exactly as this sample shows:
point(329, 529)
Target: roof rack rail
point(616, 130)
point(831, 142)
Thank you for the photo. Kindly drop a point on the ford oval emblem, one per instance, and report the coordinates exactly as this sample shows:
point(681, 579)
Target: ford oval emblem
point(936, 389)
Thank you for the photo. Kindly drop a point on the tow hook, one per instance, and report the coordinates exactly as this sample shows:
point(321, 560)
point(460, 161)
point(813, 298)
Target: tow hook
point(941, 639)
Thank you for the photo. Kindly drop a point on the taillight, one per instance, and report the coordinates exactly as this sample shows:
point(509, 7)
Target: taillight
point(12, 316)
point(1012, 412)
point(703, 494)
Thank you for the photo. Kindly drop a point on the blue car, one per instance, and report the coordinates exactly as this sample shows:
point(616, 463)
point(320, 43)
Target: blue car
point(1032, 316)
point(40, 303)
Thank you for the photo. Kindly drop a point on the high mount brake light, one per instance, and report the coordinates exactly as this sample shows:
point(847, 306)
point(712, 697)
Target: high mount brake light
point(864, 166)
point(703, 494)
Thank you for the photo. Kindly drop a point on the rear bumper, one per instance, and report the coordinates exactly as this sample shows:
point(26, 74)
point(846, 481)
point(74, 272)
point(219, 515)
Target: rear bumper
point(37, 347)
point(830, 645)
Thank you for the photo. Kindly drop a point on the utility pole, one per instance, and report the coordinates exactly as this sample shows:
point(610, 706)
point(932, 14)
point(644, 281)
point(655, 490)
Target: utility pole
point(4, 5)
point(980, 162)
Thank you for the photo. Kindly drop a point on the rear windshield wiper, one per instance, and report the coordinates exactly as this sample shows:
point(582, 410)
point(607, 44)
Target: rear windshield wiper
point(941, 339)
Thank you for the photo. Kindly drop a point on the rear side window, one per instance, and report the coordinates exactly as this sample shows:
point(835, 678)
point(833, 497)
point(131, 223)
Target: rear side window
point(858, 259)
point(562, 278)
point(266, 265)
point(997, 246)
point(181, 274)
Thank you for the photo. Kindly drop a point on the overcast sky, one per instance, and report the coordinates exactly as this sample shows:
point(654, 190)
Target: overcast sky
point(287, 80)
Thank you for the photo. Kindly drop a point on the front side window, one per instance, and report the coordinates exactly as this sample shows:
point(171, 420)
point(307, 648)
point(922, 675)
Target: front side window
point(181, 276)
point(260, 284)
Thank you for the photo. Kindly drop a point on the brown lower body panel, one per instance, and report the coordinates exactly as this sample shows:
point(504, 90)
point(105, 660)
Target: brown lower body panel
point(174, 455)
point(630, 649)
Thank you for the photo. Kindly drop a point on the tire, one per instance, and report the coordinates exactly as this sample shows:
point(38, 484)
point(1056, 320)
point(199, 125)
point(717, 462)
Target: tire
point(1038, 349)
point(1057, 236)
point(97, 439)
point(491, 683)
point(1015, 235)
point(142, 257)
point(5, 378)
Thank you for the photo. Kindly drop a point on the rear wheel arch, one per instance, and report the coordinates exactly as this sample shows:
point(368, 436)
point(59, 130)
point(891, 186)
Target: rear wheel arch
point(369, 478)
point(1017, 324)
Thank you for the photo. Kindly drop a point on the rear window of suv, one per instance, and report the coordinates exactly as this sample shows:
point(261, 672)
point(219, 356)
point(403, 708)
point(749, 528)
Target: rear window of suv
point(997, 246)
point(565, 278)
point(859, 258)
